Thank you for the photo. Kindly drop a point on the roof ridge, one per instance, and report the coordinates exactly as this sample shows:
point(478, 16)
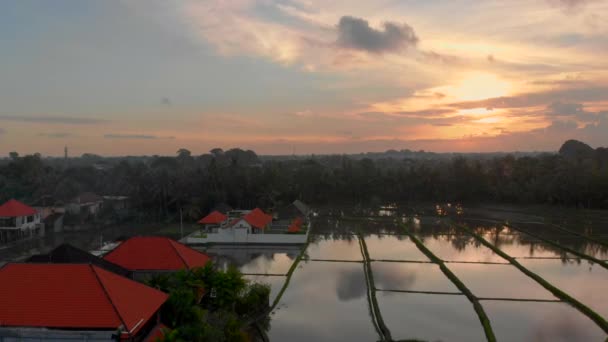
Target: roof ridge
point(171, 242)
point(105, 291)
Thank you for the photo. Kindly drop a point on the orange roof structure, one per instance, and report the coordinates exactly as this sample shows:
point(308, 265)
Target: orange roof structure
point(296, 225)
point(14, 208)
point(257, 218)
point(152, 253)
point(74, 296)
point(215, 217)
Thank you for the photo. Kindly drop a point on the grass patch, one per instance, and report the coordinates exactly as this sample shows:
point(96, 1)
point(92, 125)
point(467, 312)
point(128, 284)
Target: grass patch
point(586, 237)
point(567, 249)
point(599, 320)
point(290, 274)
point(381, 328)
point(483, 317)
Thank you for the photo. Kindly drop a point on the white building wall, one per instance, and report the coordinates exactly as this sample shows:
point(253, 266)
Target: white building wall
point(240, 237)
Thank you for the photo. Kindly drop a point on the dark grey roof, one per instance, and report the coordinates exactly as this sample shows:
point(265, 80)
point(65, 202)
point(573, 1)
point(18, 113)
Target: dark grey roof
point(68, 254)
point(304, 209)
point(293, 210)
point(87, 197)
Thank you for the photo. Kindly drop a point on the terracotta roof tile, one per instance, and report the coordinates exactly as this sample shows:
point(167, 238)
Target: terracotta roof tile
point(214, 217)
point(74, 297)
point(14, 208)
point(258, 218)
point(155, 253)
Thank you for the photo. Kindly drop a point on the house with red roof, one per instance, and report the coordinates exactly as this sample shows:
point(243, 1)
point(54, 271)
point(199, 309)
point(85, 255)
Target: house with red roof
point(247, 227)
point(147, 255)
point(213, 221)
point(78, 302)
point(18, 220)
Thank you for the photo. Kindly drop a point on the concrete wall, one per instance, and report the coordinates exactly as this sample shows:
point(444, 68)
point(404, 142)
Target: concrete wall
point(39, 335)
point(240, 237)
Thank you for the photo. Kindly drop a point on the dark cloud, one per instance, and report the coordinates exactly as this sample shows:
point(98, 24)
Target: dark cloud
point(52, 119)
point(569, 5)
point(56, 135)
point(350, 285)
point(135, 136)
point(573, 110)
point(165, 101)
point(355, 33)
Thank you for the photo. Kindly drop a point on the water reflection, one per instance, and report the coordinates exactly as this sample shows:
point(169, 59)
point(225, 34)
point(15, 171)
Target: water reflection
point(414, 316)
point(335, 247)
point(499, 281)
point(254, 260)
point(583, 280)
point(350, 285)
point(461, 248)
point(393, 247)
point(316, 308)
point(410, 277)
point(544, 322)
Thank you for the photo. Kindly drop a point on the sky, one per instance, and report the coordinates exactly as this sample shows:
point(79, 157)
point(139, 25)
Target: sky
point(147, 77)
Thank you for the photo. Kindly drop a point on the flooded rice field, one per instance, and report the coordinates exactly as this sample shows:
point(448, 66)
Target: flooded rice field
point(364, 276)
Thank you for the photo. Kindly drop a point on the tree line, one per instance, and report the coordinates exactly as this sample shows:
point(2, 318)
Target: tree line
point(159, 186)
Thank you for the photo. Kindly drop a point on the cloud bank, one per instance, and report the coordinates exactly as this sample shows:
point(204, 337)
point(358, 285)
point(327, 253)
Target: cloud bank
point(53, 119)
point(135, 136)
point(355, 33)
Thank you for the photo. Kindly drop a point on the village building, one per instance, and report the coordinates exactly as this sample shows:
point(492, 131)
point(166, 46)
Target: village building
point(145, 256)
point(19, 221)
point(68, 254)
point(68, 302)
point(116, 203)
point(51, 212)
point(48, 205)
point(86, 203)
point(213, 221)
point(251, 227)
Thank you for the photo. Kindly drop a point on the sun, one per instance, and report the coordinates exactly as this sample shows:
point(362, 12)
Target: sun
point(478, 86)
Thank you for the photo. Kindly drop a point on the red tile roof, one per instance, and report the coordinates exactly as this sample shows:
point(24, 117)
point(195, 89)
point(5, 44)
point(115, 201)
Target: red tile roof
point(257, 218)
point(156, 253)
point(295, 226)
point(74, 296)
point(214, 217)
point(14, 208)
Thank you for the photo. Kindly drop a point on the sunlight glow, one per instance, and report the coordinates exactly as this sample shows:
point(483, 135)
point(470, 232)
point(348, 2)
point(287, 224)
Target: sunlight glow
point(479, 86)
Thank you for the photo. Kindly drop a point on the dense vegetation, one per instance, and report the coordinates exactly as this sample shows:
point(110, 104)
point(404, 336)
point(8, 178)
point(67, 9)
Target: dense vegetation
point(207, 304)
point(159, 186)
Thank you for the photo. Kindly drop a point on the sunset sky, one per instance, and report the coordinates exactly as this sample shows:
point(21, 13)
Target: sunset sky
point(148, 77)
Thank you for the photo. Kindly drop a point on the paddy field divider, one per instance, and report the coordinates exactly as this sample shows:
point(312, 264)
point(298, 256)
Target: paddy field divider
point(560, 246)
point(599, 320)
point(481, 314)
point(381, 328)
point(289, 274)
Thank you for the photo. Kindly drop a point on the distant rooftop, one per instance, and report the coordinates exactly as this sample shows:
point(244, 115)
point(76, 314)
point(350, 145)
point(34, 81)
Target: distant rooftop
point(153, 253)
point(68, 254)
point(14, 208)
